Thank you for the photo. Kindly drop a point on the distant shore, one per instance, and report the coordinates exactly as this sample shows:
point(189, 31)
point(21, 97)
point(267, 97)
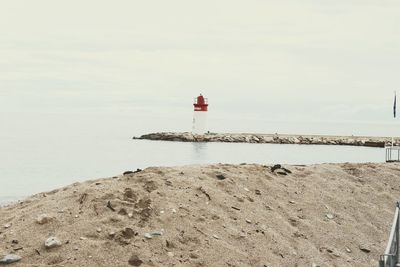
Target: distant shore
point(367, 141)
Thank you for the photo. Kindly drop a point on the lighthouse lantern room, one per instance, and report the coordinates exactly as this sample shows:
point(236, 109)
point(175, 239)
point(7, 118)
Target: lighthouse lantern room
point(200, 115)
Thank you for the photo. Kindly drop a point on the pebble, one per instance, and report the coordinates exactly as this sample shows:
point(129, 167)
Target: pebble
point(248, 221)
point(162, 212)
point(364, 248)
point(130, 214)
point(170, 254)
point(148, 236)
point(98, 230)
point(329, 216)
point(82, 238)
point(7, 225)
point(52, 242)
point(173, 210)
point(216, 237)
point(43, 219)
point(348, 250)
point(246, 189)
point(10, 258)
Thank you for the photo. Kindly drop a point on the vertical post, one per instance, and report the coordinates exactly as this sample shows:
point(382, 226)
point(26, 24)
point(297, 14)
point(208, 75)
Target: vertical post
point(396, 257)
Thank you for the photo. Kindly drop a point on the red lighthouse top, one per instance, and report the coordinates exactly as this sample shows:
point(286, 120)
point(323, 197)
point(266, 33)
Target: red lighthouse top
point(200, 103)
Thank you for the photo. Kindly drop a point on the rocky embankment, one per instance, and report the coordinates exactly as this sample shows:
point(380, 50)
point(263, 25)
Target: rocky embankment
point(211, 215)
point(270, 139)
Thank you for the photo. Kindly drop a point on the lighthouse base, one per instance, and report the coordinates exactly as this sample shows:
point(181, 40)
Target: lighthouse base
point(199, 122)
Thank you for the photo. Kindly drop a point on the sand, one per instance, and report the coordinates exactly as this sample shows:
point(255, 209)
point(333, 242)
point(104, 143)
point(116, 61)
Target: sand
point(214, 215)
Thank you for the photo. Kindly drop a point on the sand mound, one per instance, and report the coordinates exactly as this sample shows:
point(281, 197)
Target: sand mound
point(216, 215)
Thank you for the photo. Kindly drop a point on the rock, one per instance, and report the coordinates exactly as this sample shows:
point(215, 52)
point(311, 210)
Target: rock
point(148, 236)
point(10, 258)
point(248, 221)
point(98, 230)
point(329, 216)
point(364, 248)
point(43, 219)
point(7, 225)
point(52, 242)
point(258, 192)
point(170, 254)
point(348, 250)
point(216, 237)
point(221, 177)
point(135, 261)
point(275, 167)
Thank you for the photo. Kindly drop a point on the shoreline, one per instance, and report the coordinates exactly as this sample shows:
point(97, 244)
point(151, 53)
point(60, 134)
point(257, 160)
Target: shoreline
point(367, 141)
point(166, 216)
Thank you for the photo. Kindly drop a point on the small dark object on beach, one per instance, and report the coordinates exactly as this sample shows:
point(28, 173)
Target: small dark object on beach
point(235, 208)
point(128, 172)
point(109, 206)
point(279, 167)
point(275, 167)
point(281, 173)
point(221, 177)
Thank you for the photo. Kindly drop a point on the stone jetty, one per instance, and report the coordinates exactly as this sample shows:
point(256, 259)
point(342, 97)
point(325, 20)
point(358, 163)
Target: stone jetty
point(271, 139)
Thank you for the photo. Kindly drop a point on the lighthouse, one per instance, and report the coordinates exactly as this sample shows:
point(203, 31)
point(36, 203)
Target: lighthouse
point(200, 115)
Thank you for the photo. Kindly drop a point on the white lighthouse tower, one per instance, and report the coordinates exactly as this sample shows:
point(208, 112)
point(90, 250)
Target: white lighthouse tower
point(200, 115)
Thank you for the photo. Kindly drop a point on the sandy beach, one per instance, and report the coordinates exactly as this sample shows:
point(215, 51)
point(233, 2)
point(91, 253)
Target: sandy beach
point(214, 215)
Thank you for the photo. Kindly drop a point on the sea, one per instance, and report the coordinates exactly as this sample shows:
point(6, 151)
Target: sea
point(43, 150)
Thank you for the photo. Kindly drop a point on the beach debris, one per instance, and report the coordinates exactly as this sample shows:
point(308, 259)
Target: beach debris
point(329, 216)
point(83, 198)
point(280, 170)
point(134, 260)
point(10, 258)
point(153, 234)
point(221, 177)
point(44, 218)
point(109, 206)
point(204, 192)
point(52, 242)
point(148, 236)
point(216, 237)
point(235, 208)
point(364, 248)
point(292, 202)
point(258, 192)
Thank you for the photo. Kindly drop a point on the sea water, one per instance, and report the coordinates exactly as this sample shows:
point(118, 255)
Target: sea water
point(43, 150)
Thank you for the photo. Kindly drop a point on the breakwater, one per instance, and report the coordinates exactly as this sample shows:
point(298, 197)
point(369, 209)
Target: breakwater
point(367, 141)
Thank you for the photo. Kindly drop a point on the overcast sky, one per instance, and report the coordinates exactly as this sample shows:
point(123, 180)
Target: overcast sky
point(311, 60)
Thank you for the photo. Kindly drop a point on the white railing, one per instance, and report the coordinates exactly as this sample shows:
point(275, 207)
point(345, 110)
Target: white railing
point(391, 256)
